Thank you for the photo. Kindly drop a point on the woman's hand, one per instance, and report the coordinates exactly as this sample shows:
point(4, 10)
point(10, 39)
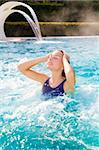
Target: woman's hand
point(66, 56)
point(45, 58)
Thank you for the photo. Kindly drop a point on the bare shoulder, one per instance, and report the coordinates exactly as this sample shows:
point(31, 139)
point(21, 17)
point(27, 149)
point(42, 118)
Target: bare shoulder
point(67, 87)
point(45, 78)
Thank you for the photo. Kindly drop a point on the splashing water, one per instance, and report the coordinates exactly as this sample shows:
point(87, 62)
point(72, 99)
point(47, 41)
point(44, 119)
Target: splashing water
point(7, 8)
point(27, 121)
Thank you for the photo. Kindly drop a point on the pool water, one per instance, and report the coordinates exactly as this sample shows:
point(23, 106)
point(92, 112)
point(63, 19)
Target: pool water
point(27, 121)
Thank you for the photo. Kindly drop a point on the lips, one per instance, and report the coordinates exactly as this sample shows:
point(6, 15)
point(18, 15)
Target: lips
point(49, 63)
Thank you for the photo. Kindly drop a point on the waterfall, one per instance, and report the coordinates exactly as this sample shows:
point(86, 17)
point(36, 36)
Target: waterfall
point(8, 8)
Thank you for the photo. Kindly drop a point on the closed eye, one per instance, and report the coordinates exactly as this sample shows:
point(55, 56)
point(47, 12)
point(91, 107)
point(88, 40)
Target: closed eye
point(55, 58)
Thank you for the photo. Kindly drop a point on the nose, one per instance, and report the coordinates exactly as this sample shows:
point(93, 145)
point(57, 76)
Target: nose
point(50, 57)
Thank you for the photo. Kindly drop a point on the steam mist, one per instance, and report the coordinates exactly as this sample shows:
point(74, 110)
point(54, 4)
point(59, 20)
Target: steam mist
point(88, 15)
point(92, 17)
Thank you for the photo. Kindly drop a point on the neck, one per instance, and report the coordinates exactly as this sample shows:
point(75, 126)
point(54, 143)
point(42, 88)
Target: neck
point(56, 77)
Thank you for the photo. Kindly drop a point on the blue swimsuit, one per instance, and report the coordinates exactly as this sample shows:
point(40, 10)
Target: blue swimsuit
point(52, 92)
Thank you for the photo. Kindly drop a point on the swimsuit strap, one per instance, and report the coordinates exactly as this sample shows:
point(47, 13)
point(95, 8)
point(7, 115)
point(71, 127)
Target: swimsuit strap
point(47, 83)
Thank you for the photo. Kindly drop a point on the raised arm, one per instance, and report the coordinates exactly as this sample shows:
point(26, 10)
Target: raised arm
point(25, 68)
point(69, 85)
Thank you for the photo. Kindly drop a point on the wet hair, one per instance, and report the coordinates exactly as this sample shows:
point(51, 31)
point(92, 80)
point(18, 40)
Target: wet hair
point(63, 72)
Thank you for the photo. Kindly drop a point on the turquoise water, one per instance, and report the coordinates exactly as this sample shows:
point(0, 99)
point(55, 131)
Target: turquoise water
point(28, 122)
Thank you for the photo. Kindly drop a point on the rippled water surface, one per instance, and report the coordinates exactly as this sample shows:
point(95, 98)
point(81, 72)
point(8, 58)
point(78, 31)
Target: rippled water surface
point(64, 123)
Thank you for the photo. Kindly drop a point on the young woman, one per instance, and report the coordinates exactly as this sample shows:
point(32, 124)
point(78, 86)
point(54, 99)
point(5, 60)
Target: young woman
point(62, 78)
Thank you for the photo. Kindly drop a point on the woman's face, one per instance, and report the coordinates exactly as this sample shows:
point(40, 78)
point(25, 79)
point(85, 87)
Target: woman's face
point(54, 61)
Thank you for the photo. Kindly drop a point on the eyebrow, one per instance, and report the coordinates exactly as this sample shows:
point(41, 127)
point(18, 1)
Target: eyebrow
point(57, 55)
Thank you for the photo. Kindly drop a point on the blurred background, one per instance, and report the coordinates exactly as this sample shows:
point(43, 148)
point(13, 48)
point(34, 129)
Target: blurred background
point(56, 18)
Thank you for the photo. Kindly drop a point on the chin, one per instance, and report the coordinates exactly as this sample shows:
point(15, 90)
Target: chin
point(49, 67)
